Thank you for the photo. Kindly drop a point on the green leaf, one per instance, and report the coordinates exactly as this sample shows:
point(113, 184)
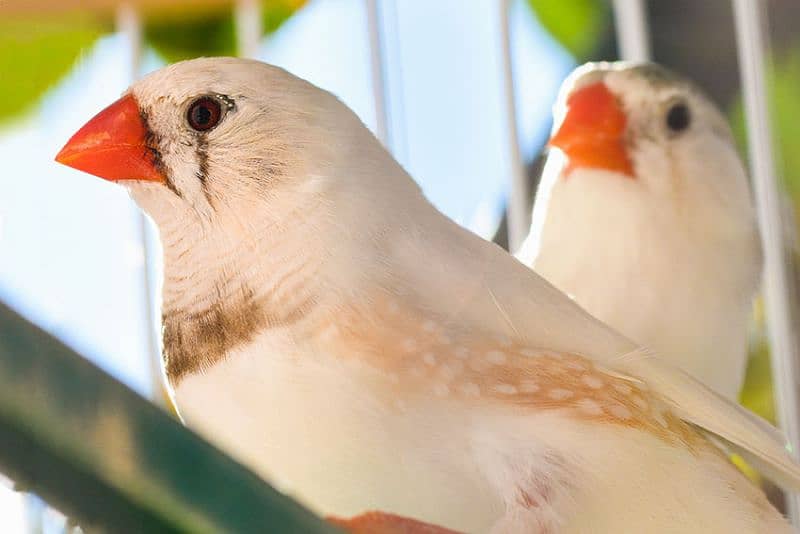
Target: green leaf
point(36, 53)
point(186, 34)
point(577, 24)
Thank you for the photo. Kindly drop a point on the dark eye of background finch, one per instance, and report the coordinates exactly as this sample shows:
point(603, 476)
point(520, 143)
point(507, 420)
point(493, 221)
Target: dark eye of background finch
point(204, 114)
point(678, 117)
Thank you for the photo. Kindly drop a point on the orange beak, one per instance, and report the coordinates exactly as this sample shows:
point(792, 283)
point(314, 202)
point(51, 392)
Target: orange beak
point(113, 145)
point(592, 134)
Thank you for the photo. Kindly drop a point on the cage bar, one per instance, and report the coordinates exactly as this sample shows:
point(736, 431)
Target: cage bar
point(129, 24)
point(520, 199)
point(633, 34)
point(378, 70)
point(750, 22)
point(249, 29)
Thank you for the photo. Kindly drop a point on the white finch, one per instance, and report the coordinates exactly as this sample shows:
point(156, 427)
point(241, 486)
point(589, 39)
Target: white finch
point(332, 330)
point(644, 216)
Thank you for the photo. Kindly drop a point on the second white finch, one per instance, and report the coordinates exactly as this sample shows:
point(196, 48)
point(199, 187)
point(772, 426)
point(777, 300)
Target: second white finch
point(645, 217)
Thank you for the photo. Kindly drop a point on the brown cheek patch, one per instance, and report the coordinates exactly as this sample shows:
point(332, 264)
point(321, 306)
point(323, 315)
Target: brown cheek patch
point(418, 355)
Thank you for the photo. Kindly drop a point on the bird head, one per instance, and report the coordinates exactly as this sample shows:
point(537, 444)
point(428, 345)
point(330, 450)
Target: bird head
point(642, 122)
point(245, 169)
point(640, 158)
point(221, 143)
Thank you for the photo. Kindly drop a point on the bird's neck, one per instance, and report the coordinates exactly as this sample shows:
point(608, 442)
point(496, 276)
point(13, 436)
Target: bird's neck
point(220, 292)
point(221, 288)
point(281, 265)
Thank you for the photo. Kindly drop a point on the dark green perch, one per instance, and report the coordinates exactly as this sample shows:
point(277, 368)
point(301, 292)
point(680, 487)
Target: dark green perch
point(110, 459)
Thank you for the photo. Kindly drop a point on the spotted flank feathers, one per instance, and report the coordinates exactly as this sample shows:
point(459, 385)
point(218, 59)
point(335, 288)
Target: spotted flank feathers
point(419, 356)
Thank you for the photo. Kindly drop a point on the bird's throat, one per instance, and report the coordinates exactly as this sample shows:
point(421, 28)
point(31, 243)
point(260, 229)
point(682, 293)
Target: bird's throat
point(212, 304)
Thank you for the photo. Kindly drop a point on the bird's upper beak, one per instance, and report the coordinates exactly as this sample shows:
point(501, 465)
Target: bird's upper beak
point(113, 145)
point(592, 133)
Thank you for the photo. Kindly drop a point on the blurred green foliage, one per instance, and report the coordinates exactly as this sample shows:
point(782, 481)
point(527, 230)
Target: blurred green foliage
point(185, 34)
point(783, 84)
point(757, 393)
point(36, 53)
point(577, 24)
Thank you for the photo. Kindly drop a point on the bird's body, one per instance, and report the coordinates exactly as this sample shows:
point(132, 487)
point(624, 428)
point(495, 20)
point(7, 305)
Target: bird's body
point(669, 255)
point(327, 326)
point(519, 447)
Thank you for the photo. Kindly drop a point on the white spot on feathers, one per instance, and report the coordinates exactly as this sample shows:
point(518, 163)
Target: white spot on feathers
point(505, 389)
point(592, 381)
point(559, 394)
point(496, 357)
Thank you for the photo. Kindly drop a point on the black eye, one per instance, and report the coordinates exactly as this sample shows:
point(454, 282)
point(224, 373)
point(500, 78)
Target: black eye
point(678, 117)
point(204, 114)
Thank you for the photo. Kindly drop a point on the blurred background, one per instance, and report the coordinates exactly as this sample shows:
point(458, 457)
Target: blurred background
point(459, 90)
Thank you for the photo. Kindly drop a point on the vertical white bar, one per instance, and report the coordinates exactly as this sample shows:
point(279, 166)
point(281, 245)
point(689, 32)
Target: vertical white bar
point(519, 203)
point(377, 66)
point(249, 28)
point(129, 24)
point(35, 510)
point(633, 36)
point(778, 288)
point(386, 64)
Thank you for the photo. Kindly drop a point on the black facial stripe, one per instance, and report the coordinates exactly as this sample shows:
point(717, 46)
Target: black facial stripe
point(153, 142)
point(202, 166)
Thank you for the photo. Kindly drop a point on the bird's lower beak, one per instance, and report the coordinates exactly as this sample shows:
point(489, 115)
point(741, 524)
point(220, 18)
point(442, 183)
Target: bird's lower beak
point(113, 145)
point(592, 133)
